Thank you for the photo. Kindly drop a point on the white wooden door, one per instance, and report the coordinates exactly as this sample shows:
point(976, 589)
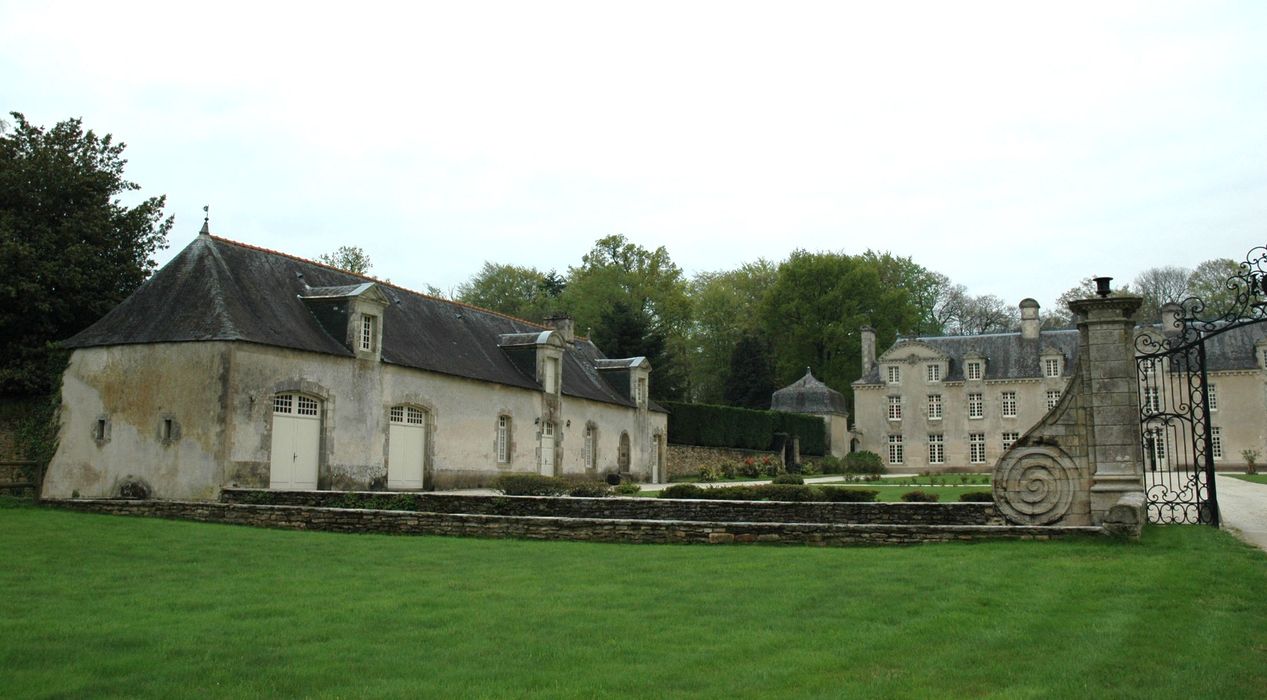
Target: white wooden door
point(406, 447)
point(296, 442)
point(547, 449)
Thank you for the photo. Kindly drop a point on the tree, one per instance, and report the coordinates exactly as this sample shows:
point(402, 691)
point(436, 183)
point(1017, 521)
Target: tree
point(725, 308)
point(69, 248)
point(750, 381)
point(929, 291)
point(1059, 316)
point(1209, 283)
point(348, 257)
point(813, 313)
point(964, 314)
point(1160, 286)
point(523, 292)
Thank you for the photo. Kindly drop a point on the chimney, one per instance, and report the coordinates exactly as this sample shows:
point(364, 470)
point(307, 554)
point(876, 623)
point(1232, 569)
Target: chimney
point(868, 348)
point(564, 325)
point(1029, 319)
point(1171, 319)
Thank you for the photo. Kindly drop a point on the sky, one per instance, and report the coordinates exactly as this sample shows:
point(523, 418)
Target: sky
point(1016, 147)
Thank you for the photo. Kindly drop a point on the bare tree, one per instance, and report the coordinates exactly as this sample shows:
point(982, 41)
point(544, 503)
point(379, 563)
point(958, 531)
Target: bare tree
point(1160, 286)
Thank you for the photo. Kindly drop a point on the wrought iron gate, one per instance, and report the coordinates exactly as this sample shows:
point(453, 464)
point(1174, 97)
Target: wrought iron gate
point(1174, 397)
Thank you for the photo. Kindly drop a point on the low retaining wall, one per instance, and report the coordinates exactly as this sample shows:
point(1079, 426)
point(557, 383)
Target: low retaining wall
point(687, 460)
point(639, 508)
point(586, 529)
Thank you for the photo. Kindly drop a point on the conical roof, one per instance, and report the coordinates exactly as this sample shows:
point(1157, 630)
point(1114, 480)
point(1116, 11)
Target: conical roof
point(809, 395)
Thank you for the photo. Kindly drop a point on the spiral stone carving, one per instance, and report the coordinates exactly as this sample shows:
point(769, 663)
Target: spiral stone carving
point(1035, 485)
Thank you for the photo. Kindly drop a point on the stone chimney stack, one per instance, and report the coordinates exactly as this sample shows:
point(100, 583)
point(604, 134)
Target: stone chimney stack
point(564, 325)
point(868, 348)
point(1029, 319)
point(1170, 319)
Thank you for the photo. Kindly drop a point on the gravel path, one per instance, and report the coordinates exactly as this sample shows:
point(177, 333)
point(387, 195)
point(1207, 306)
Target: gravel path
point(1243, 507)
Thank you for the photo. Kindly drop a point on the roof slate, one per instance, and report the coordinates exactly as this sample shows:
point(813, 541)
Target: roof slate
point(809, 395)
point(216, 289)
point(1007, 355)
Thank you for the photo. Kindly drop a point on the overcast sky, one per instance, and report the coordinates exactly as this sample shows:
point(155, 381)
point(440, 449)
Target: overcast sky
point(1016, 147)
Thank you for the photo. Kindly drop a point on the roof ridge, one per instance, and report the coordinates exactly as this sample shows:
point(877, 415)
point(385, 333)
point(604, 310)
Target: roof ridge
point(390, 285)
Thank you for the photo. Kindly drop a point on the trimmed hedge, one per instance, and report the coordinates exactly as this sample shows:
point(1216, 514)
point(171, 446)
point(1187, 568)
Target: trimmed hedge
point(770, 492)
point(707, 425)
point(977, 497)
point(530, 485)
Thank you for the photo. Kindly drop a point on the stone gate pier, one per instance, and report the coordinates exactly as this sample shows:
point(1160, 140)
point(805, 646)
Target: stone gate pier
point(1082, 464)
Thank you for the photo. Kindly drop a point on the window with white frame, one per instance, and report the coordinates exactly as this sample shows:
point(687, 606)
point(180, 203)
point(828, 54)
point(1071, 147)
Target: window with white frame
point(590, 434)
point(1010, 439)
point(305, 406)
point(1216, 443)
point(1156, 443)
point(1213, 394)
point(1152, 400)
point(641, 396)
point(895, 408)
point(934, 407)
point(1051, 367)
point(934, 373)
point(503, 439)
point(895, 374)
point(1053, 398)
point(936, 449)
point(1008, 404)
point(972, 369)
point(408, 415)
point(976, 407)
point(896, 452)
point(976, 448)
point(367, 332)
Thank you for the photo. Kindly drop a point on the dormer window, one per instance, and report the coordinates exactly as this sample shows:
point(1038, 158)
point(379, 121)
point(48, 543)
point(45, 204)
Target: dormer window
point(550, 383)
point(1051, 367)
point(895, 374)
point(972, 369)
point(367, 332)
point(641, 396)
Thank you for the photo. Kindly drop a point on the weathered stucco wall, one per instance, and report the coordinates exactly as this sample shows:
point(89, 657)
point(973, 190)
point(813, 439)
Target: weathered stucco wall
point(219, 397)
point(134, 389)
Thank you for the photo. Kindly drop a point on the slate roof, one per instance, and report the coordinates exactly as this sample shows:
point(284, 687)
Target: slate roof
point(1232, 349)
point(1007, 355)
point(217, 289)
point(808, 395)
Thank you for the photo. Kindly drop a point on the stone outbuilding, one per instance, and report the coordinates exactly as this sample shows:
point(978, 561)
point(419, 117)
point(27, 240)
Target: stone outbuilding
point(239, 366)
point(811, 396)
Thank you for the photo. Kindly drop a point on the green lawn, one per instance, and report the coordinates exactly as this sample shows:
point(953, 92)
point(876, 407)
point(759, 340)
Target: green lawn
point(1255, 478)
point(99, 606)
point(891, 493)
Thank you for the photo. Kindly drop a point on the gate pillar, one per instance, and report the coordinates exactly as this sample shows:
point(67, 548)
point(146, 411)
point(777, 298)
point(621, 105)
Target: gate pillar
point(1084, 456)
point(1106, 329)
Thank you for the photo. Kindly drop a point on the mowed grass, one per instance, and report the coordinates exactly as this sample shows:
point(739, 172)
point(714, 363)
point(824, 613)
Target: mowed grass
point(97, 606)
point(1253, 478)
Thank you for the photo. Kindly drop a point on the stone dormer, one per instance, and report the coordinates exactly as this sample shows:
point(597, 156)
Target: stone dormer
point(352, 314)
point(538, 355)
point(629, 377)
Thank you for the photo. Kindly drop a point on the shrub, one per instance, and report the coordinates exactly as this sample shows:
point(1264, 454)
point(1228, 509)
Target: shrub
point(709, 472)
point(789, 479)
point(529, 485)
point(750, 468)
point(837, 495)
point(628, 488)
point(977, 497)
point(864, 462)
point(831, 465)
point(589, 489)
point(809, 469)
point(728, 470)
point(683, 491)
point(785, 492)
point(918, 496)
point(612, 479)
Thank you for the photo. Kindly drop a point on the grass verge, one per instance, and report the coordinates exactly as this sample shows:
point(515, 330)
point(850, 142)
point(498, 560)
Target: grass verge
point(1253, 478)
point(98, 606)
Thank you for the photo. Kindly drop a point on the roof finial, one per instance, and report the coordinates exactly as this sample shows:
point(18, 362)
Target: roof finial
point(206, 220)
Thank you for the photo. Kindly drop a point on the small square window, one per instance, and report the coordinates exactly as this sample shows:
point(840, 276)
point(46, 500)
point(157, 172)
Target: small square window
point(1010, 439)
point(1053, 398)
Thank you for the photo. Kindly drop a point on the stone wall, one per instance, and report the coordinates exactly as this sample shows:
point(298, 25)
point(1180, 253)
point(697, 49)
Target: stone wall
point(642, 508)
point(686, 460)
point(595, 530)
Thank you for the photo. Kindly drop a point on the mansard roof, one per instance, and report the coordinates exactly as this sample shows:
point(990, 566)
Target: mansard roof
point(1007, 355)
point(220, 290)
point(808, 395)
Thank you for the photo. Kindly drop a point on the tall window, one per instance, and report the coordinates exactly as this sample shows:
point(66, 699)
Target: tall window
point(590, 434)
point(936, 449)
point(1216, 443)
point(1010, 439)
point(896, 453)
point(1214, 397)
point(1152, 401)
point(1051, 367)
point(641, 396)
point(895, 374)
point(367, 332)
point(934, 406)
point(1053, 398)
point(976, 407)
point(973, 369)
point(976, 448)
point(1009, 404)
point(934, 373)
point(551, 383)
point(895, 408)
point(503, 439)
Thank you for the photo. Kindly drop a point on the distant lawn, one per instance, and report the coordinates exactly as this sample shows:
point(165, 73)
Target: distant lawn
point(1256, 478)
point(96, 606)
point(889, 493)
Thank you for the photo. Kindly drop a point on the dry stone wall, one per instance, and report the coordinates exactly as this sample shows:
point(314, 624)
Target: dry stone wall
point(687, 460)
